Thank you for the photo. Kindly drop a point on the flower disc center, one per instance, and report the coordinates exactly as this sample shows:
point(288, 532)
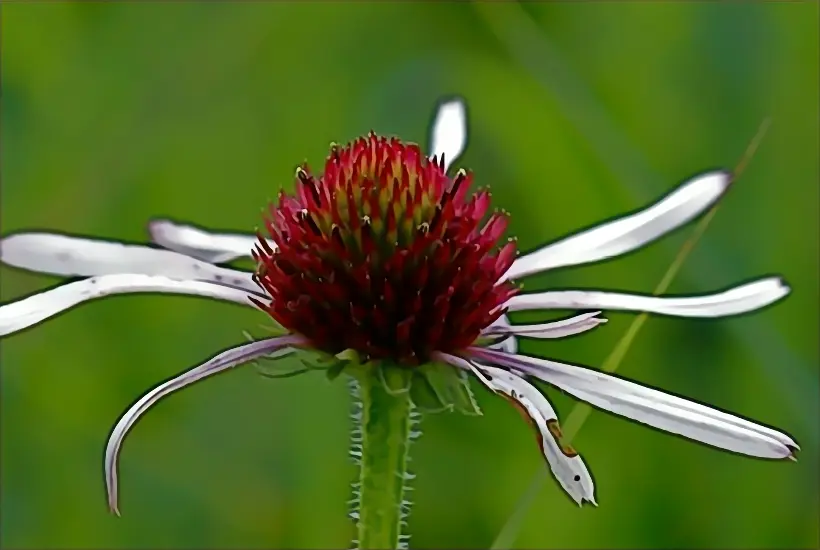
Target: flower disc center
point(384, 254)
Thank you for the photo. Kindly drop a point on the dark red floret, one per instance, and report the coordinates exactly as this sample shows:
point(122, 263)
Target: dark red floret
point(384, 254)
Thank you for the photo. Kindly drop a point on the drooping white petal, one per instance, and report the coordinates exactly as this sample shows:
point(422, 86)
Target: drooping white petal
point(199, 243)
point(555, 329)
point(449, 133)
point(222, 362)
point(567, 467)
point(29, 311)
point(652, 407)
point(629, 232)
point(737, 300)
point(77, 256)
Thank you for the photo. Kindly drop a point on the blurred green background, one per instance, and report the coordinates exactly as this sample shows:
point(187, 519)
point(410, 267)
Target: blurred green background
point(115, 113)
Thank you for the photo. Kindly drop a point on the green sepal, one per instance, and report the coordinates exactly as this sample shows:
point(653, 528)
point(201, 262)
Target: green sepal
point(396, 380)
point(342, 361)
point(335, 370)
point(438, 387)
point(284, 366)
point(348, 355)
point(424, 396)
point(471, 408)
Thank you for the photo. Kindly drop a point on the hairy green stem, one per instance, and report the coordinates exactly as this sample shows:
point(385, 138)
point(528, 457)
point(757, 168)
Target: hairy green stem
point(386, 419)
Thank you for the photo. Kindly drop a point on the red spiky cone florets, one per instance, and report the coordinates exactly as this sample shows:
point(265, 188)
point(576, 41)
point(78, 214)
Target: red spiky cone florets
point(384, 254)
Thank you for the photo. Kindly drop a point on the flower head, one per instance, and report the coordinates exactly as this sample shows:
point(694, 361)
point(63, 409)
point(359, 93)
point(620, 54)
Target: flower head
point(384, 254)
point(387, 256)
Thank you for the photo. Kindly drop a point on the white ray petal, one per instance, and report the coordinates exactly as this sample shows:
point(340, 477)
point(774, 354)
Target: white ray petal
point(199, 243)
point(77, 256)
point(501, 326)
point(652, 407)
point(567, 467)
point(629, 232)
point(36, 308)
point(555, 329)
point(467, 365)
point(737, 300)
point(449, 133)
point(222, 362)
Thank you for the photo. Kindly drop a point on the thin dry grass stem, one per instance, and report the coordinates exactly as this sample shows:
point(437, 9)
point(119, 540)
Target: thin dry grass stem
point(506, 537)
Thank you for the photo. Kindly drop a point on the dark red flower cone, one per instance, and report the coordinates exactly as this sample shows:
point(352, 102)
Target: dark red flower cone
point(384, 254)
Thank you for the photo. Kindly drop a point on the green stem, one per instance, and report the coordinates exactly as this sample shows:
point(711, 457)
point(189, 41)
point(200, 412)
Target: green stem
point(385, 438)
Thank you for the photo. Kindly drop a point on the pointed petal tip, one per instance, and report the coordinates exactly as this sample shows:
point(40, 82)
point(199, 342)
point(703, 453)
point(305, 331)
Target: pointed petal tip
point(777, 281)
point(721, 179)
point(777, 286)
point(728, 174)
point(707, 188)
point(451, 112)
point(454, 103)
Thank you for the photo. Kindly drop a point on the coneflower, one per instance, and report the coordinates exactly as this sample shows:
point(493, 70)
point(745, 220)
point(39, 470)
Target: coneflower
point(396, 272)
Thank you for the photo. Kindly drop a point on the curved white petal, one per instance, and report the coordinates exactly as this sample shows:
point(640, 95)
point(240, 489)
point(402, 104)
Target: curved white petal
point(737, 300)
point(222, 362)
point(555, 329)
point(567, 467)
point(629, 232)
point(449, 134)
point(199, 243)
point(29, 311)
point(77, 256)
point(652, 407)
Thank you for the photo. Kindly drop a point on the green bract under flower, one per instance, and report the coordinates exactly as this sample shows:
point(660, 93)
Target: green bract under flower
point(384, 254)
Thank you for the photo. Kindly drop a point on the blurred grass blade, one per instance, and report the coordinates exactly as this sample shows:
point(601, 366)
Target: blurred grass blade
point(509, 532)
point(529, 45)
